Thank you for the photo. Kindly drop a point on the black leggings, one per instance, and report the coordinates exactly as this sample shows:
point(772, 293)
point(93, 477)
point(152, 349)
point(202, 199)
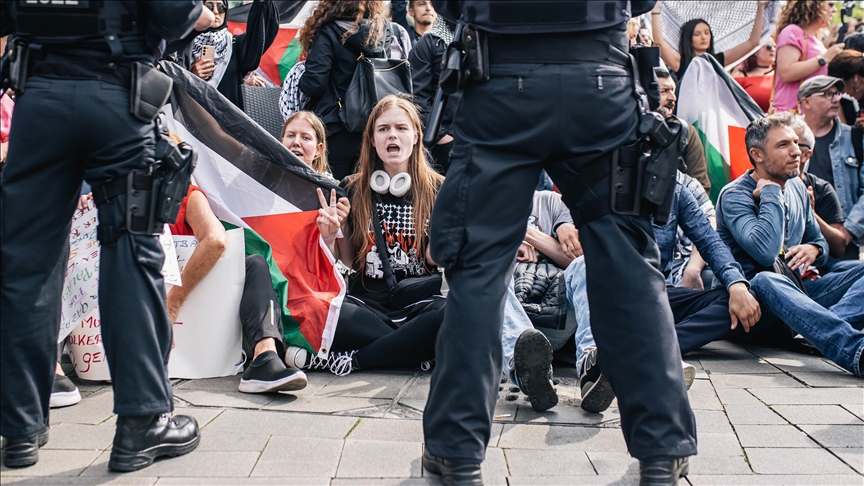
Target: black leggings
point(343, 150)
point(379, 345)
point(259, 308)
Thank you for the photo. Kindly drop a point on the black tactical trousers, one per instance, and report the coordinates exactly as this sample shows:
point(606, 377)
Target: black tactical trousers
point(558, 117)
point(64, 131)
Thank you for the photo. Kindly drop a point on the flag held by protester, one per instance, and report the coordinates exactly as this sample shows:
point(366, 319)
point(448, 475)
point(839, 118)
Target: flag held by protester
point(253, 182)
point(720, 110)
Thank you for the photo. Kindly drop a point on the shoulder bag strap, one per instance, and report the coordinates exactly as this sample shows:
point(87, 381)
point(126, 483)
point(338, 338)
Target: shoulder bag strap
point(381, 246)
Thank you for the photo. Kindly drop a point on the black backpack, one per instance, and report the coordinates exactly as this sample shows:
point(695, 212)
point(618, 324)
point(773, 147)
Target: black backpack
point(374, 78)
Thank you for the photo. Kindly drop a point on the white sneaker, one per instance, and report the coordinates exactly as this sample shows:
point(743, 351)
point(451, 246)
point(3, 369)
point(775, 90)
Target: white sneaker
point(64, 393)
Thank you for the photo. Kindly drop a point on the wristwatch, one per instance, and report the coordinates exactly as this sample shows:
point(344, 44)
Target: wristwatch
point(822, 61)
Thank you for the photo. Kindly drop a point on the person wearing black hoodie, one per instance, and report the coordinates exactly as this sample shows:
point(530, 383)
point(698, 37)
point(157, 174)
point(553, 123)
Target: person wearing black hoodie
point(333, 38)
point(236, 55)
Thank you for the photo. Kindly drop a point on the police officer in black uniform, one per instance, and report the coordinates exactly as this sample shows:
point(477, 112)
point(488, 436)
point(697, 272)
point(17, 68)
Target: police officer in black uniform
point(559, 96)
point(73, 72)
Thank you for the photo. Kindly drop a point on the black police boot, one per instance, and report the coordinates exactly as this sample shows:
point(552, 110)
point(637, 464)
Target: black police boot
point(141, 439)
point(24, 452)
point(453, 473)
point(663, 472)
point(532, 362)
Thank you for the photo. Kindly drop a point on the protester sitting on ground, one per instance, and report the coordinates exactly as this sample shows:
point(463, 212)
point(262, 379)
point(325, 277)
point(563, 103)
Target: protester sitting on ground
point(333, 38)
point(396, 187)
point(694, 152)
point(259, 313)
point(697, 39)
point(425, 71)
point(756, 75)
point(701, 316)
point(800, 55)
point(834, 158)
point(849, 66)
point(765, 217)
point(304, 135)
point(823, 197)
point(235, 55)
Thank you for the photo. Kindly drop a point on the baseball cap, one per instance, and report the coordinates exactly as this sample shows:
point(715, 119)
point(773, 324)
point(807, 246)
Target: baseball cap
point(818, 84)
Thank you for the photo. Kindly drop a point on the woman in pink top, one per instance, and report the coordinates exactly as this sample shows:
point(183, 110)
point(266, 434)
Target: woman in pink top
point(800, 55)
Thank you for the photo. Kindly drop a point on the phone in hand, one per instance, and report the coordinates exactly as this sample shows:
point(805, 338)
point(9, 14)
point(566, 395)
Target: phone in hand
point(208, 52)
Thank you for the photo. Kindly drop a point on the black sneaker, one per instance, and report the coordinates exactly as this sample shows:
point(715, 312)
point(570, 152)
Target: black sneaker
point(267, 374)
point(597, 393)
point(64, 393)
point(532, 362)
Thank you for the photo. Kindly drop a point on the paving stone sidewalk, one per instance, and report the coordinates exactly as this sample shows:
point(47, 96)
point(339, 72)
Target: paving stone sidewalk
point(765, 416)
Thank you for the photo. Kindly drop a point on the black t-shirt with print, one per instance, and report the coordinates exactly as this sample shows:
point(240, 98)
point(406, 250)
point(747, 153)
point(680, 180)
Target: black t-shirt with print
point(820, 162)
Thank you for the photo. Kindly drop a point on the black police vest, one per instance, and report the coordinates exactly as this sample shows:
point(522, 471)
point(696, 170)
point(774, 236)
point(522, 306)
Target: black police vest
point(544, 16)
point(72, 21)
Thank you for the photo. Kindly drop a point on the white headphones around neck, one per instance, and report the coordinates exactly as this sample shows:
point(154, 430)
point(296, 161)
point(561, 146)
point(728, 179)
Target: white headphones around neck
point(398, 185)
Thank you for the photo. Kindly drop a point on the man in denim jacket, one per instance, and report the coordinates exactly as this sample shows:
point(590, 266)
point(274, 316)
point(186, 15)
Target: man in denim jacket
point(765, 213)
point(833, 155)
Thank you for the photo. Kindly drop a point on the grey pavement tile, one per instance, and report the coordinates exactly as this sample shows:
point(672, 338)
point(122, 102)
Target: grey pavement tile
point(771, 480)
point(795, 461)
point(415, 403)
point(495, 465)
point(525, 462)
point(201, 415)
point(505, 412)
point(289, 457)
point(318, 404)
point(719, 454)
point(853, 457)
point(772, 436)
point(212, 440)
point(613, 463)
point(388, 430)
point(195, 464)
point(419, 389)
point(723, 366)
point(80, 437)
point(548, 437)
point(809, 396)
point(703, 397)
point(565, 414)
point(96, 409)
point(796, 362)
point(753, 415)
point(88, 386)
point(222, 399)
point(580, 480)
point(723, 348)
point(817, 414)
point(223, 384)
point(278, 423)
point(838, 378)
point(380, 459)
point(737, 396)
point(78, 481)
point(772, 380)
point(56, 463)
point(428, 481)
point(712, 421)
point(208, 481)
point(366, 385)
point(834, 436)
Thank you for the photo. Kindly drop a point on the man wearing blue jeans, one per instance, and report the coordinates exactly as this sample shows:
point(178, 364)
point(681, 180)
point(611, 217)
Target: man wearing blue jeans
point(766, 213)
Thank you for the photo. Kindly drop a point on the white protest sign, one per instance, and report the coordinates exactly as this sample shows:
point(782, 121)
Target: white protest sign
point(81, 286)
point(170, 269)
point(208, 337)
point(86, 350)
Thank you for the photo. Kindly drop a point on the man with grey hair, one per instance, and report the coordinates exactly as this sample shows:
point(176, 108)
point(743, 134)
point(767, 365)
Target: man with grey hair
point(833, 156)
point(823, 197)
point(765, 218)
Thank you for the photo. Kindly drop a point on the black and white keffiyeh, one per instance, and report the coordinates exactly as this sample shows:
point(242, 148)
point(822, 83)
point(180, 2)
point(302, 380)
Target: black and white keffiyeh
point(442, 29)
point(223, 41)
point(292, 99)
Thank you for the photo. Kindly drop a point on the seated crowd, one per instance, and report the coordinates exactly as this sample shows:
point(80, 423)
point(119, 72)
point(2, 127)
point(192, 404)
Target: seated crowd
point(775, 261)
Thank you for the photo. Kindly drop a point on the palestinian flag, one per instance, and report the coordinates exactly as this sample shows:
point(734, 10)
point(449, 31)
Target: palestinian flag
point(720, 110)
point(284, 53)
point(253, 182)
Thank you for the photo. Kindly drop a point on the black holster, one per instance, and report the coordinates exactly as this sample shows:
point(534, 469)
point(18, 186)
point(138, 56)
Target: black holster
point(14, 66)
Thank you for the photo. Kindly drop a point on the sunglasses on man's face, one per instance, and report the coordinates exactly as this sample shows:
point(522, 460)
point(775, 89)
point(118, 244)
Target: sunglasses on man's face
point(216, 7)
